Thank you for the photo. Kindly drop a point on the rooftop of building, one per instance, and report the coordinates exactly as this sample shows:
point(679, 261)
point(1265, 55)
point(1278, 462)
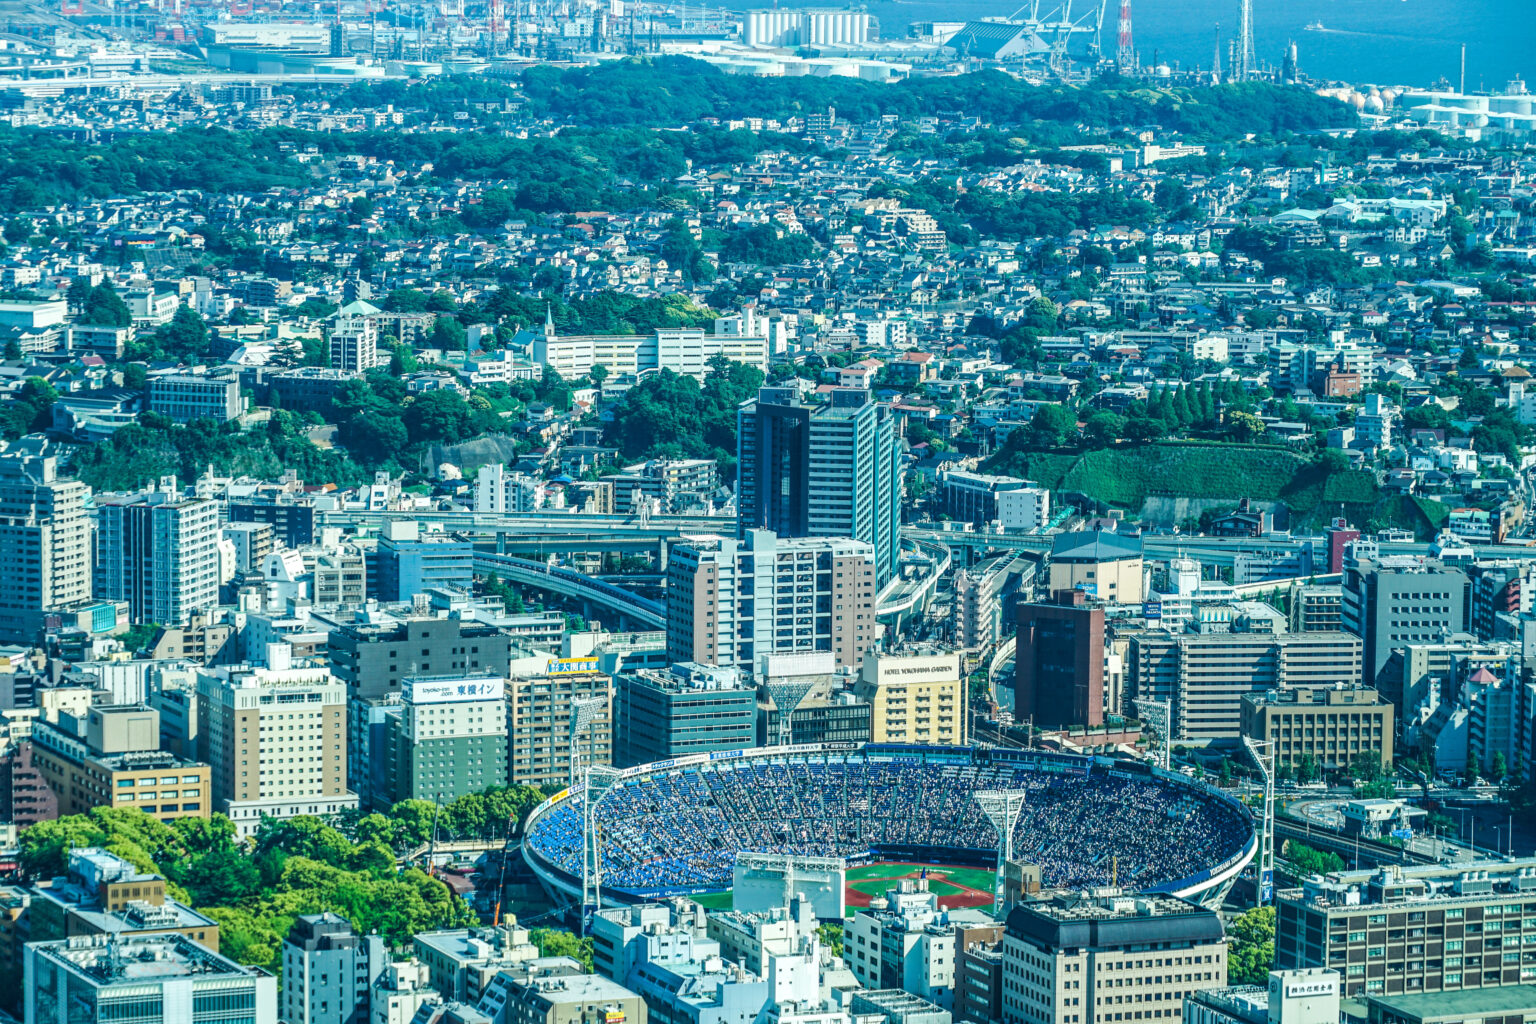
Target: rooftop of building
point(318, 373)
point(1109, 904)
point(1110, 918)
point(1247, 1003)
point(394, 630)
point(136, 959)
point(155, 499)
point(477, 944)
point(90, 861)
point(1330, 696)
point(697, 980)
point(763, 540)
point(1477, 881)
point(1467, 1004)
point(76, 894)
point(1404, 565)
point(223, 380)
point(1095, 546)
point(144, 760)
point(307, 927)
point(895, 1001)
point(140, 916)
point(689, 677)
point(578, 988)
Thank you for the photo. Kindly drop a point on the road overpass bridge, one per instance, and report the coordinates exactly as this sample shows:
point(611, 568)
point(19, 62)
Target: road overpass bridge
point(631, 610)
point(971, 544)
point(901, 600)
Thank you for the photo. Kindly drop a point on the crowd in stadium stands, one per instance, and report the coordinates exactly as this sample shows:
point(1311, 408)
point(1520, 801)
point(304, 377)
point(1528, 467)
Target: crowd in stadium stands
point(1082, 827)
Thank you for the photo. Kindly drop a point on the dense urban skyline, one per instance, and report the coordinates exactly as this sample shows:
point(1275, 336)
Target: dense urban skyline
point(570, 513)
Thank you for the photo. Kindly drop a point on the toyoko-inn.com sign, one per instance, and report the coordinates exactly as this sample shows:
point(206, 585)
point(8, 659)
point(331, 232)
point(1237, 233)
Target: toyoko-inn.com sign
point(445, 691)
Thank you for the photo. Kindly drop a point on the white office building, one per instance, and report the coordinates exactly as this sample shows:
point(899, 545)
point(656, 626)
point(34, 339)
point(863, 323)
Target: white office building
point(105, 979)
point(159, 552)
point(354, 344)
point(686, 350)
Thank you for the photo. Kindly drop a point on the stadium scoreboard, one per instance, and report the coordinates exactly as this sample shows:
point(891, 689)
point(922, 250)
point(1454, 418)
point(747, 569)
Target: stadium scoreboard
point(763, 881)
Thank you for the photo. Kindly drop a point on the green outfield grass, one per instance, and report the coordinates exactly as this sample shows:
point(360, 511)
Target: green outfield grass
point(875, 879)
point(976, 878)
point(877, 886)
point(948, 882)
point(714, 900)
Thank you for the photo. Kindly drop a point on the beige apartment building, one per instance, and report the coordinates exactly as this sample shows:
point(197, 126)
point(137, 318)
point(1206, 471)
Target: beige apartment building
point(1108, 956)
point(1333, 725)
point(1204, 676)
point(110, 756)
point(914, 698)
point(45, 544)
point(277, 741)
point(539, 710)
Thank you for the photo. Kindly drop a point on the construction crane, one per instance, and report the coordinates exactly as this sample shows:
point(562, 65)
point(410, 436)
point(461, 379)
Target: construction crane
point(1096, 46)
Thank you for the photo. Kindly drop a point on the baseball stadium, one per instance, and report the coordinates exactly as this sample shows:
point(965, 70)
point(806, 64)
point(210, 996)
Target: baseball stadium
point(675, 827)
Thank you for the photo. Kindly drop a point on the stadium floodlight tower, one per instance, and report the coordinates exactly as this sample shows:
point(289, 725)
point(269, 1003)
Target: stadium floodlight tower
point(1002, 808)
point(584, 712)
point(1159, 715)
point(787, 694)
point(1263, 754)
point(598, 781)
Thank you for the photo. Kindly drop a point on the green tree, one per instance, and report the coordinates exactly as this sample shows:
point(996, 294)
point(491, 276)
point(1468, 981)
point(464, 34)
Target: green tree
point(557, 942)
point(414, 821)
point(1251, 947)
point(1103, 429)
point(30, 410)
point(671, 415)
point(374, 437)
point(79, 292)
point(103, 307)
point(205, 835)
point(185, 337)
point(438, 417)
point(1052, 426)
point(1366, 767)
point(448, 334)
point(219, 877)
point(1306, 860)
point(406, 300)
point(249, 936)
